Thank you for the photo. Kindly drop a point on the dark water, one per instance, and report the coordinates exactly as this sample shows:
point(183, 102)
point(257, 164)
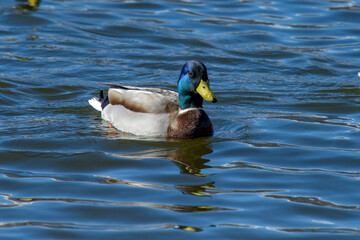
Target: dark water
point(283, 162)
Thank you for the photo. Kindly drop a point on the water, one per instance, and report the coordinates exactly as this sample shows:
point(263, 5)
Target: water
point(283, 162)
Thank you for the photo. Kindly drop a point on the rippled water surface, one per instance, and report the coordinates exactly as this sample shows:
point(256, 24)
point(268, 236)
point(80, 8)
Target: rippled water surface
point(283, 162)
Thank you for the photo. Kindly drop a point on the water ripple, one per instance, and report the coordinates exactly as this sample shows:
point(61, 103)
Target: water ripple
point(178, 208)
point(75, 226)
point(297, 230)
point(286, 125)
point(312, 201)
point(263, 167)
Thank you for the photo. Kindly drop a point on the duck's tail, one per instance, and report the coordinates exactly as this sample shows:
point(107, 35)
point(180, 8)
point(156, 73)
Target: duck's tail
point(99, 103)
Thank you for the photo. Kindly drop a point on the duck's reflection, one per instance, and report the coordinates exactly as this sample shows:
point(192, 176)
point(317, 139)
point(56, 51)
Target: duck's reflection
point(201, 190)
point(187, 155)
point(26, 5)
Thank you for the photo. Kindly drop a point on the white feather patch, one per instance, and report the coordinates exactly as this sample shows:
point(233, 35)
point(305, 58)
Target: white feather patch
point(143, 124)
point(182, 111)
point(95, 103)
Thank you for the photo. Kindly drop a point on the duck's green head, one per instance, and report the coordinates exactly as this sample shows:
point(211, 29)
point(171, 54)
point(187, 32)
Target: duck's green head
point(193, 85)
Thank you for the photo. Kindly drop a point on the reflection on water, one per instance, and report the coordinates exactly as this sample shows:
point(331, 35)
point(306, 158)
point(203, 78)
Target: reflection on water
point(26, 5)
point(201, 190)
point(188, 154)
point(313, 201)
point(284, 159)
point(178, 208)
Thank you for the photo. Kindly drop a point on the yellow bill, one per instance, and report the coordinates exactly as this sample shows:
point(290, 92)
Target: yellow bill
point(204, 90)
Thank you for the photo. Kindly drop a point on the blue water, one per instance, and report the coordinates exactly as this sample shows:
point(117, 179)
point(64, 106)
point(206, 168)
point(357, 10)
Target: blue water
point(284, 159)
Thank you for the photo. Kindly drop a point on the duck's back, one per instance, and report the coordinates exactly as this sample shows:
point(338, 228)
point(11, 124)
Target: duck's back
point(145, 100)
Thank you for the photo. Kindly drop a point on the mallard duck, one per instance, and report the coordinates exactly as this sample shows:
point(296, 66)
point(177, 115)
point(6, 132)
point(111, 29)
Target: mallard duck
point(159, 112)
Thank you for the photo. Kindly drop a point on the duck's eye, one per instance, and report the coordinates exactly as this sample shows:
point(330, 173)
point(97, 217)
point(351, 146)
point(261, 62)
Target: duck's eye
point(191, 73)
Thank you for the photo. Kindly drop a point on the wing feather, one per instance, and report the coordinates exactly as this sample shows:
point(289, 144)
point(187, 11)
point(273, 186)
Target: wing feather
point(145, 100)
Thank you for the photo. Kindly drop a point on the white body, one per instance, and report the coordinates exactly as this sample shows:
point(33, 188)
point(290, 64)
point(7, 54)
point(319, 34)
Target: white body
point(145, 124)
